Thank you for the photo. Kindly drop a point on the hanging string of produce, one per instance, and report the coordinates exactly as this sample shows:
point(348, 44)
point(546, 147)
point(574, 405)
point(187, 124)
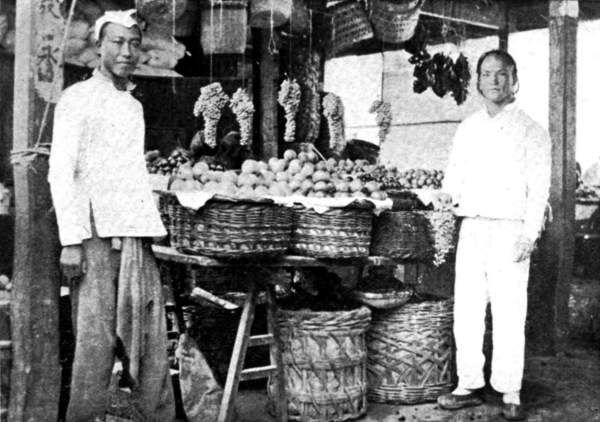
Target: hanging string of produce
point(440, 73)
point(243, 108)
point(383, 118)
point(289, 99)
point(210, 104)
point(333, 110)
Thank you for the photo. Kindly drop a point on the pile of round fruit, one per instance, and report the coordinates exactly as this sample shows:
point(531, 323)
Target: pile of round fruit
point(392, 178)
point(168, 166)
point(294, 174)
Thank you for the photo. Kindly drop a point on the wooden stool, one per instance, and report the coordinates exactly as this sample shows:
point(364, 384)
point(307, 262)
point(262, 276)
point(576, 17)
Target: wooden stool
point(243, 340)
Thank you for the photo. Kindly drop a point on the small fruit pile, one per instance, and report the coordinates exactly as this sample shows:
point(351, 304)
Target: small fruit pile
point(294, 174)
point(166, 166)
point(392, 178)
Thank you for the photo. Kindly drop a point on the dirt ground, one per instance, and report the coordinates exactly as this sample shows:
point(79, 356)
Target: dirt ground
point(565, 388)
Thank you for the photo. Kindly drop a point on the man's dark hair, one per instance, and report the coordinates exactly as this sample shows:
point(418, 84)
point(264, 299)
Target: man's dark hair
point(503, 56)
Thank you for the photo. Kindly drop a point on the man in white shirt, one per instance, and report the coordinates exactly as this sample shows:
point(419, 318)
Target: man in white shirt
point(106, 214)
point(498, 177)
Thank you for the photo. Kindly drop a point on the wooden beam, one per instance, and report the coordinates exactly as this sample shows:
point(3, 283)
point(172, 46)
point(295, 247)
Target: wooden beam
point(35, 375)
point(268, 108)
point(551, 271)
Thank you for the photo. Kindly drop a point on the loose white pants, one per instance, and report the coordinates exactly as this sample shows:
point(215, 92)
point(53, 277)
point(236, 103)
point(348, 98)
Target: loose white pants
point(486, 271)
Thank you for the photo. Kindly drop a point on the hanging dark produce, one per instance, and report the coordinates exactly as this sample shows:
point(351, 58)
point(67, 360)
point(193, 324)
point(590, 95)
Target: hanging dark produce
point(441, 74)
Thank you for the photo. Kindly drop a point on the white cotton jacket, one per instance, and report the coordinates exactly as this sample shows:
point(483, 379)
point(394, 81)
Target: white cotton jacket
point(499, 168)
point(97, 164)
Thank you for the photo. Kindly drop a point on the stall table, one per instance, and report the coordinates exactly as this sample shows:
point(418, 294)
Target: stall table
point(243, 339)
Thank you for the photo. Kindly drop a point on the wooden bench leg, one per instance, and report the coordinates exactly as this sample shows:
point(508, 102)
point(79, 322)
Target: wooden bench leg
point(276, 360)
point(238, 356)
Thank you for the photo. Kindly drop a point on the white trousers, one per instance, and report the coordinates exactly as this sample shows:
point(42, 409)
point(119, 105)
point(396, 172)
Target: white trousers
point(487, 272)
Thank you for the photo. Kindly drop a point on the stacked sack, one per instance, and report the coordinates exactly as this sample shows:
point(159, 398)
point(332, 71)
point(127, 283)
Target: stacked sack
point(160, 51)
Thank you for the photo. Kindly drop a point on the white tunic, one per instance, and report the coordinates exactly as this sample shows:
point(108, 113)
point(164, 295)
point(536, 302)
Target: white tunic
point(500, 167)
point(97, 161)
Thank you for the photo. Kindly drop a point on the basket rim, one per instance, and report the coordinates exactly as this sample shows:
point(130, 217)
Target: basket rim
point(222, 198)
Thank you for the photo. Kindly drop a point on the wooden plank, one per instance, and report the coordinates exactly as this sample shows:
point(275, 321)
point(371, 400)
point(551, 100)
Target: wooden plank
point(260, 340)
point(35, 375)
point(166, 253)
point(238, 355)
point(485, 14)
point(552, 266)
point(199, 294)
point(257, 373)
point(268, 106)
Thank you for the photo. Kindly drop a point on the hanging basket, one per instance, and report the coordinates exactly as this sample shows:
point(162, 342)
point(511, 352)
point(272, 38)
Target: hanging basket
point(349, 25)
point(161, 12)
point(269, 13)
point(324, 362)
point(411, 353)
point(395, 21)
point(223, 26)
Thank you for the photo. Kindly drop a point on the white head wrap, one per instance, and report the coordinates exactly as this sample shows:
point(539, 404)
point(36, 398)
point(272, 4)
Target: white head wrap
point(121, 17)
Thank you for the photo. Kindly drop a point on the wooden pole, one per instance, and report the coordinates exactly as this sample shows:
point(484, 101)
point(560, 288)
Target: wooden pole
point(35, 376)
point(269, 86)
point(551, 271)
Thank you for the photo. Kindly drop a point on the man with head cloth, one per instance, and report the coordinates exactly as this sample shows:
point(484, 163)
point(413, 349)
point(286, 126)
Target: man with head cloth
point(498, 177)
point(106, 215)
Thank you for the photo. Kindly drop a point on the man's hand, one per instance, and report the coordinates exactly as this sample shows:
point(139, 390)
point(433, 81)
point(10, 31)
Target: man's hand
point(71, 261)
point(523, 249)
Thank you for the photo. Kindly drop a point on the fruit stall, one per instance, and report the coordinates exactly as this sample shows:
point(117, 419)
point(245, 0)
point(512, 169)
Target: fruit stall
point(269, 207)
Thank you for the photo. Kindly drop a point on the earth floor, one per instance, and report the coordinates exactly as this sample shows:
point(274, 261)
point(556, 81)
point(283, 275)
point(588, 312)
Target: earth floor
point(565, 388)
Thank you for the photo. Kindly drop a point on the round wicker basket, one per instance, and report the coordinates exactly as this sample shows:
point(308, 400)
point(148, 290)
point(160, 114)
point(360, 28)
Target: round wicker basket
point(324, 359)
point(336, 233)
point(229, 229)
point(350, 24)
point(411, 353)
point(395, 21)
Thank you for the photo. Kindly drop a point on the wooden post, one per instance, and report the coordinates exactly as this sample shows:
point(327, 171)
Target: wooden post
point(268, 111)
point(35, 376)
point(551, 271)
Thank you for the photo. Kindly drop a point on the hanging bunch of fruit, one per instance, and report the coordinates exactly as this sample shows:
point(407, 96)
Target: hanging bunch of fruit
point(383, 118)
point(289, 99)
point(442, 75)
point(333, 110)
point(243, 108)
point(210, 104)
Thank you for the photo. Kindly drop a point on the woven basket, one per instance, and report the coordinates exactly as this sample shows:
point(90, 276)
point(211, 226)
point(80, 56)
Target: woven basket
point(336, 233)
point(395, 21)
point(324, 360)
point(415, 235)
point(410, 353)
point(349, 24)
point(223, 26)
point(269, 13)
point(230, 229)
point(383, 300)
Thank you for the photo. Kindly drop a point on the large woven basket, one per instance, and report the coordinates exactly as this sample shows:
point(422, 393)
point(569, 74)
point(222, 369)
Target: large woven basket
point(349, 25)
point(411, 353)
point(395, 21)
point(335, 233)
point(427, 236)
point(229, 229)
point(324, 360)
